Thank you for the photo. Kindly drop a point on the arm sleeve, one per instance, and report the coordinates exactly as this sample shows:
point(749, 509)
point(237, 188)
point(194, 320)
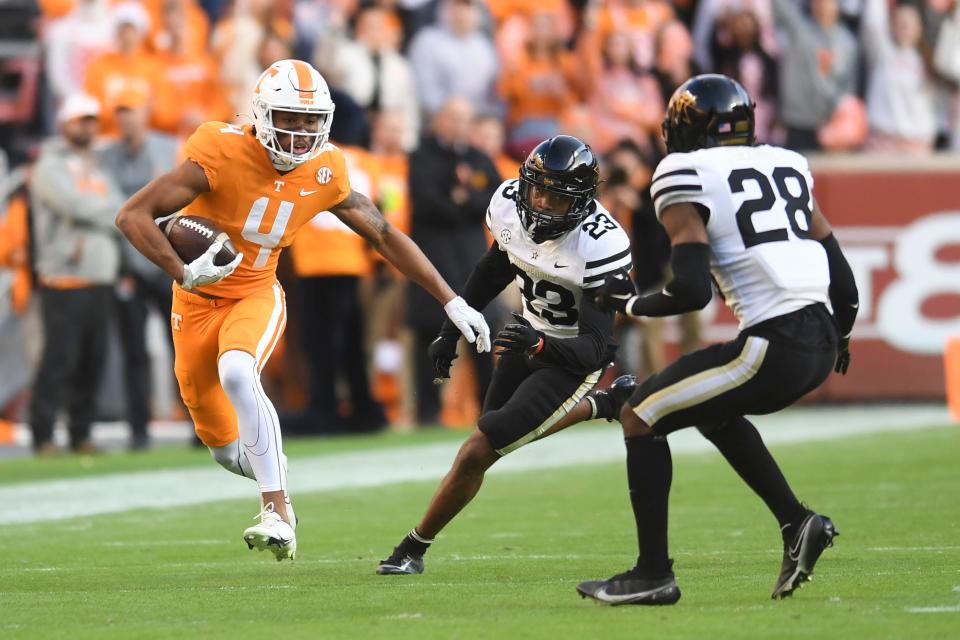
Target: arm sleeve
point(590, 349)
point(689, 290)
point(485, 283)
point(843, 288)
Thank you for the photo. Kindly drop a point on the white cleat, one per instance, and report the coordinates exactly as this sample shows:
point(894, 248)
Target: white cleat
point(272, 533)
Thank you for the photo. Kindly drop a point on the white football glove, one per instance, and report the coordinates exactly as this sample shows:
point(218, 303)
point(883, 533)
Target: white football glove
point(471, 323)
point(202, 271)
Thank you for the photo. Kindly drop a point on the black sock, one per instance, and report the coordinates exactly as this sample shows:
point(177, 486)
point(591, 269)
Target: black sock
point(649, 474)
point(415, 543)
point(740, 443)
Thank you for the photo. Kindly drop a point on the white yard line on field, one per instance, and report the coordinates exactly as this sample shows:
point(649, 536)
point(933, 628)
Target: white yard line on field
point(948, 609)
point(58, 499)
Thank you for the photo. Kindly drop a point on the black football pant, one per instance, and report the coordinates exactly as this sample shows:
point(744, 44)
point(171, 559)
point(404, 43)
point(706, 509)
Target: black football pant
point(768, 367)
point(75, 328)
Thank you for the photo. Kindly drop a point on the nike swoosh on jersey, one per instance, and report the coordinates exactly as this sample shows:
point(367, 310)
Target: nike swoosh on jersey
point(304, 192)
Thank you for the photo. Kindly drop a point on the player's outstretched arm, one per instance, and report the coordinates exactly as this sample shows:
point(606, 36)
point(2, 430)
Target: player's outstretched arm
point(361, 215)
point(844, 297)
point(690, 288)
point(163, 196)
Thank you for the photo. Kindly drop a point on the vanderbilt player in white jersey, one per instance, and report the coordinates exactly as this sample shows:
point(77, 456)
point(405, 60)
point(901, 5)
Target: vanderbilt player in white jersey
point(744, 214)
point(558, 244)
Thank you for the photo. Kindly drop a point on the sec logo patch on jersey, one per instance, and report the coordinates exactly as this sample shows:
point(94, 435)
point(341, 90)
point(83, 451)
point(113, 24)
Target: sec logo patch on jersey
point(324, 175)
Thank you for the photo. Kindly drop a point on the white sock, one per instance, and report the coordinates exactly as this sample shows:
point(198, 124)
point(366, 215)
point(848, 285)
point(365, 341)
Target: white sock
point(257, 420)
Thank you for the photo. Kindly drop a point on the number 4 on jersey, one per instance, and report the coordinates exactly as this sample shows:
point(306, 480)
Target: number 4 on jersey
point(266, 241)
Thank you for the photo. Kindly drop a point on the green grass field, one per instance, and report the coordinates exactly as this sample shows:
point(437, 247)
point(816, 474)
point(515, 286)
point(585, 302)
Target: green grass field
point(508, 566)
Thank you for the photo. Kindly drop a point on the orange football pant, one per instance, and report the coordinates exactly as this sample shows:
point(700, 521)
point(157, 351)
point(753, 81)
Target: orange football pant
point(203, 330)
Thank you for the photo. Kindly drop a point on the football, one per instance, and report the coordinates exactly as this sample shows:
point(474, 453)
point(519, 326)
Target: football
point(192, 235)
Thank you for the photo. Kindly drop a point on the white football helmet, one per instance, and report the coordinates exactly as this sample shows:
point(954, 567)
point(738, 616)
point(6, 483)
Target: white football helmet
point(291, 85)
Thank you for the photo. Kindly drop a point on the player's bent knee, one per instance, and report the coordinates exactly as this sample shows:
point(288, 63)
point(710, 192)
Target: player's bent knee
point(476, 455)
point(632, 424)
point(237, 371)
point(228, 457)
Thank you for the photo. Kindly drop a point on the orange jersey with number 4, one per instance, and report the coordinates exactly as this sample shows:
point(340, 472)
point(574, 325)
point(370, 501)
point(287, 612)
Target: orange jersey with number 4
point(260, 208)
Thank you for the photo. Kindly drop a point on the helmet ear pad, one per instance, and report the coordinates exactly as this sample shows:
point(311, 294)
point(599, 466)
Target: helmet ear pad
point(566, 167)
point(708, 110)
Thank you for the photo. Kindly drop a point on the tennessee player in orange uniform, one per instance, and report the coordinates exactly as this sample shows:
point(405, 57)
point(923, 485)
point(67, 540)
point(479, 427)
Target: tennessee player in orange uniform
point(260, 183)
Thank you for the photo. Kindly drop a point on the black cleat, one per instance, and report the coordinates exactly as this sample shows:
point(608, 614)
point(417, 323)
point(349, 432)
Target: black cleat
point(814, 534)
point(607, 402)
point(401, 562)
point(632, 587)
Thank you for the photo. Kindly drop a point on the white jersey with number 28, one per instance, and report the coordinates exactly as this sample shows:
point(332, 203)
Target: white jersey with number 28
point(759, 201)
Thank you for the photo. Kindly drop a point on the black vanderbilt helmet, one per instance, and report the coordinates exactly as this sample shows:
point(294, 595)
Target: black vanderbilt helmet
point(709, 110)
point(560, 176)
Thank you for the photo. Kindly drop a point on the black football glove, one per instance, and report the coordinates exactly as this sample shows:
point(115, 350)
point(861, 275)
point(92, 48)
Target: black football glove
point(843, 356)
point(519, 338)
point(616, 293)
point(442, 352)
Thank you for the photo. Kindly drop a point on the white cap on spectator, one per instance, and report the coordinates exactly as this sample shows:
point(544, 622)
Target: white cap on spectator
point(78, 105)
point(131, 13)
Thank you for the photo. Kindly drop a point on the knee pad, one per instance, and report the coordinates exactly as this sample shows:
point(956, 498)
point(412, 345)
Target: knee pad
point(238, 370)
point(232, 458)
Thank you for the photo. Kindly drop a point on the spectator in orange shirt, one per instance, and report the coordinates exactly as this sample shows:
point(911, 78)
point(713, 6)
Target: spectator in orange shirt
point(194, 30)
point(329, 260)
point(539, 85)
point(129, 66)
point(196, 93)
point(639, 20)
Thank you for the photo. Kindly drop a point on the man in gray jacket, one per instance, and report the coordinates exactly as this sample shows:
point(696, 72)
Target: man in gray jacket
point(818, 67)
point(77, 255)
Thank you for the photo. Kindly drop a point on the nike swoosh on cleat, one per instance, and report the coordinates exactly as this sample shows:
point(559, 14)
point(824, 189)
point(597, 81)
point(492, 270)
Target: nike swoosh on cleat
point(559, 266)
point(606, 597)
point(794, 550)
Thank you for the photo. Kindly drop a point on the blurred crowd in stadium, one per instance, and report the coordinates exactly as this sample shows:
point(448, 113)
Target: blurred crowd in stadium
point(436, 101)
